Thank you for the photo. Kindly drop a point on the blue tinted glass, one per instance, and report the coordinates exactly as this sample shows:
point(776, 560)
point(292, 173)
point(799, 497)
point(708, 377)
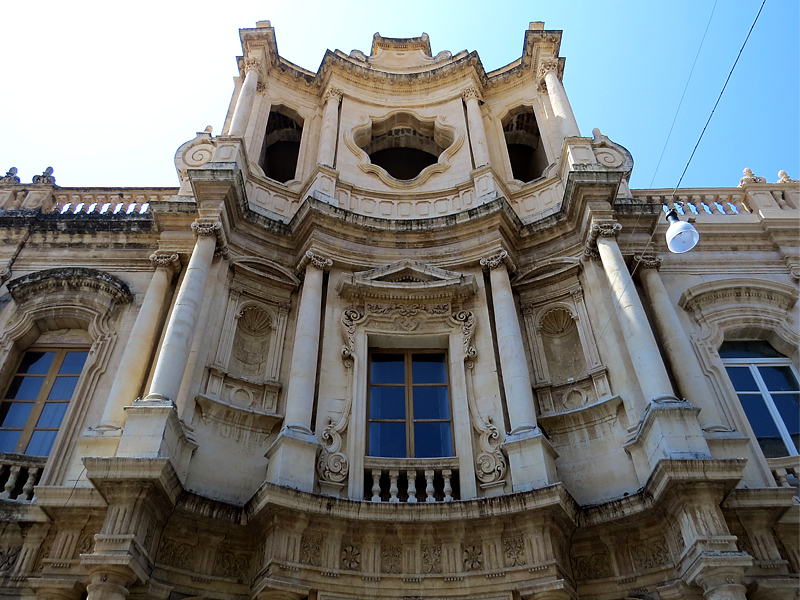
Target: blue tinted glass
point(53, 414)
point(25, 388)
point(387, 402)
point(748, 349)
point(8, 441)
point(41, 442)
point(388, 368)
point(767, 434)
point(778, 379)
point(73, 363)
point(431, 402)
point(36, 362)
point(432, 440)
point(15, 414)
point(787, 405)
point(428, 368)
point(742, 379)
point(387, 440)
point(62, 388)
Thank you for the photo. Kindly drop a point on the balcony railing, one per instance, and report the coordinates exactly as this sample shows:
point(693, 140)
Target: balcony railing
point(18, 475)
point(411, 479)
point(786, 471)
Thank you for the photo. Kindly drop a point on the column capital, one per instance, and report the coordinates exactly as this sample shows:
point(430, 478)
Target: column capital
point(166, 260)
point(647, 261)
point(470, 92)
point(254, 64)
point(332, 93)
point(599, 229)
point(547, 65)
point(206, 228)
point(490, 263)
point(315, 260)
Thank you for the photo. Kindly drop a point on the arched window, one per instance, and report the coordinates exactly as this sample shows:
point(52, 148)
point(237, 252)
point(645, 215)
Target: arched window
point(281, 149)
point(524, 144)
point(767, 385)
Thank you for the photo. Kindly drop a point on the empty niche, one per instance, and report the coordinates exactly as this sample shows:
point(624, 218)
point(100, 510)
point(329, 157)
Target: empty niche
point(281, 147)
point(404, 145)
point(250, 349)
point(562, 345)
point(524, 143)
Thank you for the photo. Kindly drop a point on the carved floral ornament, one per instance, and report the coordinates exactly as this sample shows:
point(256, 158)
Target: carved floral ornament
point(470, 93)
point(254, 64)
point(332, 93)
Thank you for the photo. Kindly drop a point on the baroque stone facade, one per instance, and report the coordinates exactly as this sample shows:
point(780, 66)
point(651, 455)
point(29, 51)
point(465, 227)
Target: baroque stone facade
point(401, 331)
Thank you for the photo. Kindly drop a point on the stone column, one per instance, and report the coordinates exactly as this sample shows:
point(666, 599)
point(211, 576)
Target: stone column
point(330, 127)
point(516, 376)
point(644, 354)
point(247, 94)
point(531, 458)
point(477, 132)
point(692, 382)
point(134, 362)
point(548, 73)
point(182, 323)
point(109, 585)
point(292, 457)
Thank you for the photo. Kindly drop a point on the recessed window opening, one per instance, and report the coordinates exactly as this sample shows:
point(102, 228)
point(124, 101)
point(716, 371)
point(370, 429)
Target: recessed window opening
point(525, 149)
point(403, 145)
point(767, 385)
point(409, 405)
point(281, 147)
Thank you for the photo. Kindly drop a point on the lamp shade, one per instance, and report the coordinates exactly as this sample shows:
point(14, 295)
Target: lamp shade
point(681, 236)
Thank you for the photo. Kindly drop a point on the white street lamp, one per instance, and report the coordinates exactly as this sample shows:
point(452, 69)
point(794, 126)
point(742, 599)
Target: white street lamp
point(681, 236)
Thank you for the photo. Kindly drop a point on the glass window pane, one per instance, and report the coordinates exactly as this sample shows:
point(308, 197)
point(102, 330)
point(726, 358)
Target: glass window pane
point(387, 402)
point(9, 440)
point(767, 434)
point(25, 388)
point(73, 363)
point(41, 443)
point(742, 379)
point(387, 440)
point(62, 388)
point(15, 414)
point(431, 402)
point(388, 368)
point(778, 379)
point(428, 368)
point(788, 406)
point(52, 414)
point(748, 349)
point(432, 440)
point(36, 362)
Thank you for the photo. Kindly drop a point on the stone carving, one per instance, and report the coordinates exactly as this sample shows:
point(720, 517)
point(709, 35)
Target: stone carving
point(10, 176)
point(391, 559)
point(609, 154)
point(310, 550)
point(315, 260)
point(250, 348)
point(650, 555)
point(166, 260)
point(490, 464)
point(431, 558)
point(514, 551)
point(351, 557)
point(350, 317)
point(407, 310)
point(592, 567)
point(783, 177)
point(470, 92)
point(46, 177)
point(85, 544)
point(203, 228)
point(647, 261)
point(473, 558)
point(8, 557)
point(176, 554)
point(548, 65)
point(599, 229)
point(750, 178)
point(466, 319)
point(254, 64)
point(235, 566)
point(492, 262)
point(332, 93)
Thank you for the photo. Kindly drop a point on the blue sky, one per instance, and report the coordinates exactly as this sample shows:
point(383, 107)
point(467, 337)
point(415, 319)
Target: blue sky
point(105, 92)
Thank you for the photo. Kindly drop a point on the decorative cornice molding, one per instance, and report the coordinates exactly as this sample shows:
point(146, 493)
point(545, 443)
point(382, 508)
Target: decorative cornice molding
point(69, 279)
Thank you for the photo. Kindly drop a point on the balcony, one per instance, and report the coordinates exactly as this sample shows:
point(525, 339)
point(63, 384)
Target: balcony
point(411, 480)
point(18, 476)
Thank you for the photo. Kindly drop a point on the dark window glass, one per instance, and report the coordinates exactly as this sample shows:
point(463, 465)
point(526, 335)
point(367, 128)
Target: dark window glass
point(428, 368)
point(387, 439)
point(73, 363)
point(36, 362)
point(430, 402)
point(778, 379)
point(787, 405)
point(62, 388)
point(387, 403)
point(432, 440)
point(24, 388)
point(742, 379)
point(767, 433)
point(9, 440)
point(388, 368)
point(15, 414)
point(41, 443)
point(52, 414)
point(748, 349)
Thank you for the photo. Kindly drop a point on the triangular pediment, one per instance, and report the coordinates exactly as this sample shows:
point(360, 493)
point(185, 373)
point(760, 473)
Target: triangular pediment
point(407, 279)
point(261, 269)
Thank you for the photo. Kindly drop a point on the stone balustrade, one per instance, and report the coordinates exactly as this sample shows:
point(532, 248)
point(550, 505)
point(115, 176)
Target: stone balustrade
point(411, 480)
point(107, 203)
point(19, 475)
point(786, 471)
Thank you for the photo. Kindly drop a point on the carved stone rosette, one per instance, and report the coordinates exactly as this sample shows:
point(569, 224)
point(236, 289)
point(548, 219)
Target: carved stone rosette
point(492, 262)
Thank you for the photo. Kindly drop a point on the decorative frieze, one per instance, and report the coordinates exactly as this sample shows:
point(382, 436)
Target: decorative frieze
point(391, 559)
point(514, 551)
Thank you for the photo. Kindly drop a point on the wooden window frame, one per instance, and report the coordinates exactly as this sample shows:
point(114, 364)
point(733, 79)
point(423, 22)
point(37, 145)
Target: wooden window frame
point(409, 386)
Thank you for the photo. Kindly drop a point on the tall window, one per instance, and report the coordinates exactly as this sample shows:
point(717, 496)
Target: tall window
point(767, 385)
point(37, 399)
point(409, 405)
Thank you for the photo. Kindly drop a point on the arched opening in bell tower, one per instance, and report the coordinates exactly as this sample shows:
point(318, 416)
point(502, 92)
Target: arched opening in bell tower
point(281, 147)
point(524, 143)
